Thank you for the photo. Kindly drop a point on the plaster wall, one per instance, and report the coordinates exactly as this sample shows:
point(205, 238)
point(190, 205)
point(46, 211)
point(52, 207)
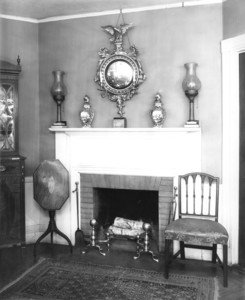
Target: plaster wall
point(21, 38)
point(233, 18)
point(166, 39)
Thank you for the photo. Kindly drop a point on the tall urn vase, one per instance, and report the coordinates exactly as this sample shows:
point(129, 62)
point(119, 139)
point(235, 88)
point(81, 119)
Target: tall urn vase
point(191, 86)
point(58, 91)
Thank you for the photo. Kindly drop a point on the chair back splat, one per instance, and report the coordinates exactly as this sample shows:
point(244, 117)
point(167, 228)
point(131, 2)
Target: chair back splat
point(197, 225)
point(198, 196)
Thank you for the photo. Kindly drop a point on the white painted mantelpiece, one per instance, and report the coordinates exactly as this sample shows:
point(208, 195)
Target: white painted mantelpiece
point(122, 151)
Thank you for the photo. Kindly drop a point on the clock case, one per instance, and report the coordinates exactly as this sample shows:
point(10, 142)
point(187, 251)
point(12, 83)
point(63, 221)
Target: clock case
point(12, 165)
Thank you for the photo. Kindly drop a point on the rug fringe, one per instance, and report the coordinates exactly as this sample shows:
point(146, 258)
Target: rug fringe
point(22, 275)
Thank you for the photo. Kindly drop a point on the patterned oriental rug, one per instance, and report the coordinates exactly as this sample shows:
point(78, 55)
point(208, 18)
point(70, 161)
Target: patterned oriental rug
point(50, 279)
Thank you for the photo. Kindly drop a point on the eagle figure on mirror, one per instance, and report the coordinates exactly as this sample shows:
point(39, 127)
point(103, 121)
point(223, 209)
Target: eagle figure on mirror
point(117, 32)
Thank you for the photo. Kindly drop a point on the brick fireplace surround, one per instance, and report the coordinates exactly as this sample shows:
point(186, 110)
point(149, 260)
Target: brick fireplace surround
point(163, 185)
point(123, 158)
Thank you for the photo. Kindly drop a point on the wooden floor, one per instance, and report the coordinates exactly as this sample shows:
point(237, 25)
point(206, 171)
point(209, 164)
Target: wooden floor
point(15, 260)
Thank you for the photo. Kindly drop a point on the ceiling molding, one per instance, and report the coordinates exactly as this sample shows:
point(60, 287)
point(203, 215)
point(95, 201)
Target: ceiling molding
point(16, 18)
point(80, 16)
point(114, 12)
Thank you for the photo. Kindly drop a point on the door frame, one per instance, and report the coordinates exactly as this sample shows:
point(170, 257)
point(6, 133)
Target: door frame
point(231, 48)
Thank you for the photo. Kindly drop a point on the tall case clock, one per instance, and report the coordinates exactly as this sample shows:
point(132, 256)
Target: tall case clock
point(12, 164)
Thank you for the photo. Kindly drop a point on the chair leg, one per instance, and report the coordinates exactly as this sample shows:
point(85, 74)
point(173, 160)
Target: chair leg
point(225, 268)
point(182, 250)
point(167, 258)
point(214, 253)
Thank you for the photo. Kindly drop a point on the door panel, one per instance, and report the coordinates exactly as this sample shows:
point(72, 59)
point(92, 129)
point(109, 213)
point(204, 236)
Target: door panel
point(242, 161)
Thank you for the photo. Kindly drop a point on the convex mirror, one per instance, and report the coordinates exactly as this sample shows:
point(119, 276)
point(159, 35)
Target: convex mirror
point(119, 72)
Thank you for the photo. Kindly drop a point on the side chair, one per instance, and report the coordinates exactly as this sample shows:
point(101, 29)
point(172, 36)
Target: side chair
point(197, 224)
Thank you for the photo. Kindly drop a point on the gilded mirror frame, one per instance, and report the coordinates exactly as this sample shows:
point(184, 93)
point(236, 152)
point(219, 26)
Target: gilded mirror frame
point(122, 84)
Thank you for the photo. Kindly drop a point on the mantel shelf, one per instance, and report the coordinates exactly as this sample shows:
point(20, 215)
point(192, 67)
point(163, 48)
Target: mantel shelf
point(137, 130)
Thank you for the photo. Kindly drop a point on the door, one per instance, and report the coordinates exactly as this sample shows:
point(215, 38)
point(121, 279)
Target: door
point(242, 161)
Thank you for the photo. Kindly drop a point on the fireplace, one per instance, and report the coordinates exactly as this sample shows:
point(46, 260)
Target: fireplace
point(137, 205)
point(159, 189)
point(125, 159)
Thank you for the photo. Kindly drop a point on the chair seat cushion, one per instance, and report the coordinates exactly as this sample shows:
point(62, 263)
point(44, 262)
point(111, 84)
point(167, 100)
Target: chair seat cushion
point(196, 231)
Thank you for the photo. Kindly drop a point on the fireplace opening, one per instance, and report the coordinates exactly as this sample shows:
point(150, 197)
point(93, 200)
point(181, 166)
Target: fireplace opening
point(138, 205)
point(105, 197)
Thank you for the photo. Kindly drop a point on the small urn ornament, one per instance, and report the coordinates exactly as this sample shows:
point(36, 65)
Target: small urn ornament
point(86, 114)
point(158, 114)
